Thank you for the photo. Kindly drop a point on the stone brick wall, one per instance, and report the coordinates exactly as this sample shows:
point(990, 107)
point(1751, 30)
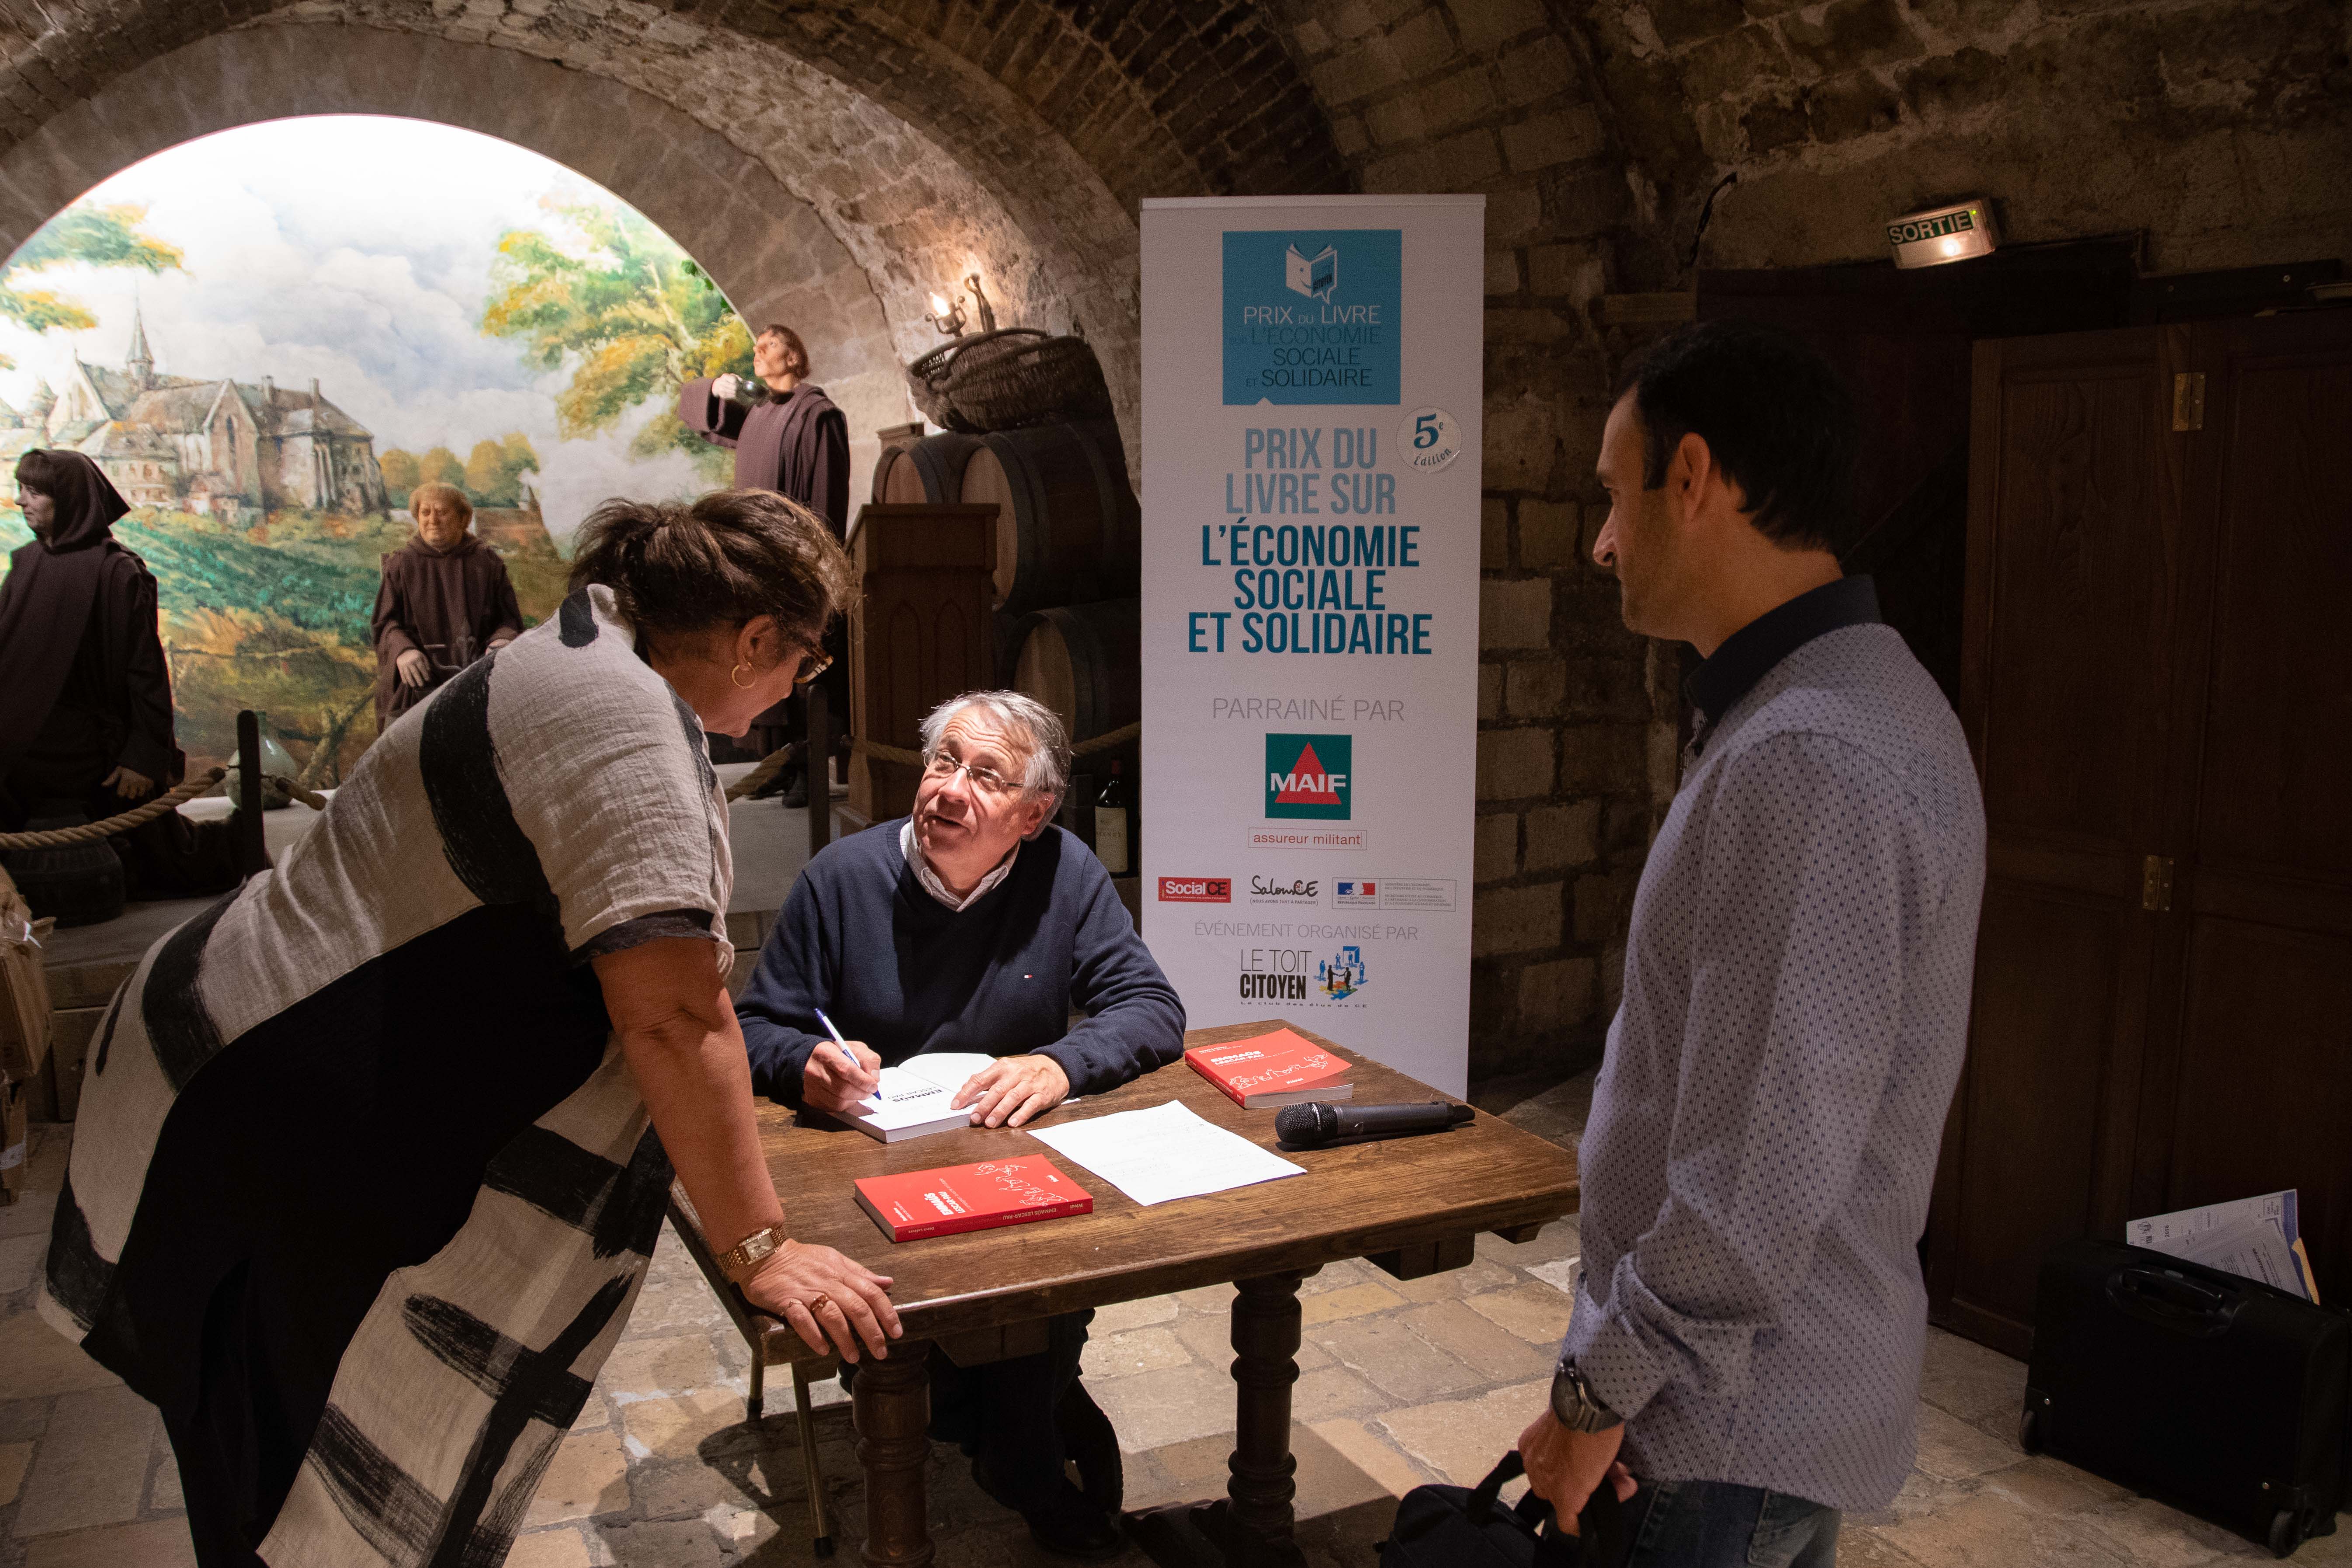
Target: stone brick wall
point(1491, 96)
point(2220, 128)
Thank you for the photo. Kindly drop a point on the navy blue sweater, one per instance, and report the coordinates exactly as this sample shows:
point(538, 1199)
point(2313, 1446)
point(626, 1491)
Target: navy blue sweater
point(896, 968)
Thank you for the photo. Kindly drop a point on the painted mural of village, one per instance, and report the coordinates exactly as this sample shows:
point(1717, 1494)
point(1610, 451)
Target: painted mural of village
point(560, 324)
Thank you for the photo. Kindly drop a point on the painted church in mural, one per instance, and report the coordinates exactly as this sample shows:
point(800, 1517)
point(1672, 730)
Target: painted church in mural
point(215, 446)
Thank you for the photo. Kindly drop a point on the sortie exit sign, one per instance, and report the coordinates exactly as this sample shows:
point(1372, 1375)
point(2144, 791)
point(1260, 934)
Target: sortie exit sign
point(1938, 235)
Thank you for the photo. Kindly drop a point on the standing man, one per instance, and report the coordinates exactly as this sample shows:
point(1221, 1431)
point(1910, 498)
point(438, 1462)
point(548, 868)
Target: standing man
point(1743, 1364)
point(445, 600)
point(788, 437)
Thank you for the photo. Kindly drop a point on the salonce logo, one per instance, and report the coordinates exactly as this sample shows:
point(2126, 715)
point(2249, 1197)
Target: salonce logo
point(1310, 777)
point(1296, 890)
point(1196, 889)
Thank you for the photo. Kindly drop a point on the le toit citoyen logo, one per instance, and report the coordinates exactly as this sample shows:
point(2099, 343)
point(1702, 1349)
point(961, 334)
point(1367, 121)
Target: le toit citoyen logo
point(1310, 776)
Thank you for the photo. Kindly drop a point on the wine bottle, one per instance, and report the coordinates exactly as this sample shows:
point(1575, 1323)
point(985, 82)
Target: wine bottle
point(1110, 824)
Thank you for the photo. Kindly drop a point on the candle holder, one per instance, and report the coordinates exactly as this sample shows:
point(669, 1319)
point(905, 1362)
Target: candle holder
point(979, 297)
point(946, 319)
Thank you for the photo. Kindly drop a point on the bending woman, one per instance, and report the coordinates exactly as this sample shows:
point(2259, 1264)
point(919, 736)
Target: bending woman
point(372, 1153)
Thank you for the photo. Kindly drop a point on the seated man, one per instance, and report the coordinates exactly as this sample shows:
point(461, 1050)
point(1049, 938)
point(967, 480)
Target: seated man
point(975, 925)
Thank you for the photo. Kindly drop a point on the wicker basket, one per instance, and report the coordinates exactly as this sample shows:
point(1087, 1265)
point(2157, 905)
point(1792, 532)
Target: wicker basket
point(1009, 380)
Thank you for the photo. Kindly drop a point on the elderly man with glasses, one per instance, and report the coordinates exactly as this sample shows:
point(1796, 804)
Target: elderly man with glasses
point(975, 925)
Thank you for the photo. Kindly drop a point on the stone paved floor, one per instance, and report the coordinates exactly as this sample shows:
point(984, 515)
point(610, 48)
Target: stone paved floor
point(1401, 1382)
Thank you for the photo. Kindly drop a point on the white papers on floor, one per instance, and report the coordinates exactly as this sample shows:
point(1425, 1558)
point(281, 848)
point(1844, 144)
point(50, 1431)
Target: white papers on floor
point(2254, 1238)
point(918, 1091)
point(1165, 1152)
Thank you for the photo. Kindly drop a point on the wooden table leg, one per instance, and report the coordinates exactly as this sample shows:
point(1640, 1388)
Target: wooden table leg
point(1265, 1363)
point(1250, 1526)
point(891, 1400)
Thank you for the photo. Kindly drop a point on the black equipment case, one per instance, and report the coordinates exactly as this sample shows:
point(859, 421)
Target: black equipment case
point(2221, 1395)
point(1465, 1527)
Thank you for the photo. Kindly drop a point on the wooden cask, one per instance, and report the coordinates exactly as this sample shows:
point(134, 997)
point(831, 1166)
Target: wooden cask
point(1084, 662)
point(1069, 530)
point(928, 471)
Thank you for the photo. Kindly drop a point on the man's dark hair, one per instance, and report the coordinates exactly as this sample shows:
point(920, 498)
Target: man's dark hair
point(1776, 418)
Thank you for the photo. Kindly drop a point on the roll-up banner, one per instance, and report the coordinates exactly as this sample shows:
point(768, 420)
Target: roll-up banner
point(1311, 422)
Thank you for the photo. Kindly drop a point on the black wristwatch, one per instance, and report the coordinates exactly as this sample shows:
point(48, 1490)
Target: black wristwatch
point(1574, 1403)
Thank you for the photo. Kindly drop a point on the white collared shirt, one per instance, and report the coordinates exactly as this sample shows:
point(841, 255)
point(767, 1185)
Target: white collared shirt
point(930, 879)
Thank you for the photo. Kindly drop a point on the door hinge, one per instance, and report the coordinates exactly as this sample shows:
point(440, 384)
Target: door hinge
point(2189, 400)
point(2155, 884)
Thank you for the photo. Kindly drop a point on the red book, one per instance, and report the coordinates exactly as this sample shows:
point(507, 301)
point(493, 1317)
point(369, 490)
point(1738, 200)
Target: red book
point(1274, 1069)
point(954, 1198)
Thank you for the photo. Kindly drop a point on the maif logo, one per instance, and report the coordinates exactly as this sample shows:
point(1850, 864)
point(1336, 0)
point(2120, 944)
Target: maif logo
point(1308, 776)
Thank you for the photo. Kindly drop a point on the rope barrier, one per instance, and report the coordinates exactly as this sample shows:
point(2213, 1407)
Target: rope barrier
point(770, 766)
point(55, 838)
point(139, 815)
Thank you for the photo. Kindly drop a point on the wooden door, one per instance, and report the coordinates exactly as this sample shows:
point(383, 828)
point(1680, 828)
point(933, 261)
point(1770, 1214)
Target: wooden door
point(2067, 681)
point(919, 633)
point(2250, 1082)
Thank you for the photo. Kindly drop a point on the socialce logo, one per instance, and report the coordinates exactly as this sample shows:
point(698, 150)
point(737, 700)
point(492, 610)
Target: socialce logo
point(1310, 776)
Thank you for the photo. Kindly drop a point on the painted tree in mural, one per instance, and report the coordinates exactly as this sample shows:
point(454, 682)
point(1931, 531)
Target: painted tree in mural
point(92, 236)
point(614, 300)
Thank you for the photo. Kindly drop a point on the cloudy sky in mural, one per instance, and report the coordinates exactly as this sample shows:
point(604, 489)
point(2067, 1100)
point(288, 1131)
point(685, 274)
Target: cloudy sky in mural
point(358, 250)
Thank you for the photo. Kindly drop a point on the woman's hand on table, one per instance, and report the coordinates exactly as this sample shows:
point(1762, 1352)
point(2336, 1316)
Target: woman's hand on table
point(827, 1081)
point(825, 1295)
point(1013, 1090)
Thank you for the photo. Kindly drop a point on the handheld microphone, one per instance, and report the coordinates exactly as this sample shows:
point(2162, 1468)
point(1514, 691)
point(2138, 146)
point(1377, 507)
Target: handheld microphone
point(1316, 1124)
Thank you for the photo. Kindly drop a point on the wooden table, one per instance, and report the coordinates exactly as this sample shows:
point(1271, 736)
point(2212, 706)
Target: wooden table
point(1412, 1206)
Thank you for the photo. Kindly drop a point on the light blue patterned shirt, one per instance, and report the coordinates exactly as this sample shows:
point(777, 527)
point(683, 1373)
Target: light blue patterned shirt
point(1763, 1136)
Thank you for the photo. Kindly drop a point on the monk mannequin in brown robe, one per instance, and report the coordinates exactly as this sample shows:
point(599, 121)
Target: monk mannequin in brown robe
point(790, 438)
point(445, 603)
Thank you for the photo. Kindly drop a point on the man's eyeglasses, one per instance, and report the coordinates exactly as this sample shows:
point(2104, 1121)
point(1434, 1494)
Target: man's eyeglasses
point(988, 780)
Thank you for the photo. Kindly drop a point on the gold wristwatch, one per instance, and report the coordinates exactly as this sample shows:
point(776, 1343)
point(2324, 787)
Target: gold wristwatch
point(752, 1250)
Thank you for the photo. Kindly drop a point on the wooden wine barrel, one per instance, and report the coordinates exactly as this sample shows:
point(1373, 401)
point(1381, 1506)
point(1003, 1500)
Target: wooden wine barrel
point(1084, 662)
point(1068, 528)
point(928, 470)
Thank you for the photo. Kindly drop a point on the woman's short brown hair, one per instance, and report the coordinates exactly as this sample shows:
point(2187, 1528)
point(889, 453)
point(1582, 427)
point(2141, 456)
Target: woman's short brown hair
point(681, 568)
point(435, 490)
point(795, 351)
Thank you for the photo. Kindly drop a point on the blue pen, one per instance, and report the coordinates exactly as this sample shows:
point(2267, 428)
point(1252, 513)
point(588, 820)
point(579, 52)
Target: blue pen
point(845, 1053)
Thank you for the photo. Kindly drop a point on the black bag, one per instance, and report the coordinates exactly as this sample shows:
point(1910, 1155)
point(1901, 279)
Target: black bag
point(2223, 1396)
point(1459, 1527)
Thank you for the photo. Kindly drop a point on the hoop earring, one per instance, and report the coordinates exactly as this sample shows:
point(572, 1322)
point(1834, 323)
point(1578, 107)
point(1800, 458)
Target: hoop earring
point(736, 674)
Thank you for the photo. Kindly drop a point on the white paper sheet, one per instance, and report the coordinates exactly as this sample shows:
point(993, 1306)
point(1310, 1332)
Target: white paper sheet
point(2251, 1237)
point(1163, 1154)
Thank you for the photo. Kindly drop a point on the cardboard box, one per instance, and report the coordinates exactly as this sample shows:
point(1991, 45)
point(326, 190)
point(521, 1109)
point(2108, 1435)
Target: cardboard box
point(24, 987)
point(15, 1141)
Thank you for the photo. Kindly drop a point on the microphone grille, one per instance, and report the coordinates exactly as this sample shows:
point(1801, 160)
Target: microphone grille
point(1298, 1124)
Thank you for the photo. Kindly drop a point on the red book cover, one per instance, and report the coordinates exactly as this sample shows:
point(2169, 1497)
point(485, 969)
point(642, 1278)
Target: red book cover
point(955, 1198)
point(1279, 1068)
